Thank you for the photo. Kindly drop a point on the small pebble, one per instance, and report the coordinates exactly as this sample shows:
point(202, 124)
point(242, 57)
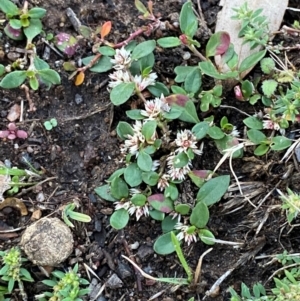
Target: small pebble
point(114, 282)
point(78, 99)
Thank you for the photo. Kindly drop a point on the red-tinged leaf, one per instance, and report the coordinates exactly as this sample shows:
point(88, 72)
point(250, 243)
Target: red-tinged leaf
point(160, 203)
point(198, 176)
point(201, 173)
point(217, 44)
point(178, 99)
point(79, 78)
point(224, 43)
point(105, 30)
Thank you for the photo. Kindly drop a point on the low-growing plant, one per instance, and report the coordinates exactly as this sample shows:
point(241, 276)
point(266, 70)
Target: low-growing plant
point(13, 132)
point(23, 23)
point(65, 286)
point(12, 271)
point(69, 213)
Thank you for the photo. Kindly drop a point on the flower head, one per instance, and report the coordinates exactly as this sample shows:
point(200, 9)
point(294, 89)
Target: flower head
point(177, 173)
point(153, 108)
point(131, 208)
point(122, 59)
point(163, 182)
point(118, 77)
point(143, 82)
point(186, 232)
point(186, 140)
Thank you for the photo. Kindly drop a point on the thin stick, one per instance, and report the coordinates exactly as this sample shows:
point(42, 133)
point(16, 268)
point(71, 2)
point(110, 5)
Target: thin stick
point(24, 191)
point(199, 266)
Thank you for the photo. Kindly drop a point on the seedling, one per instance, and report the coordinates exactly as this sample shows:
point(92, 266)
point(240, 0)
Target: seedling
point(68, 212)
point(50, 124)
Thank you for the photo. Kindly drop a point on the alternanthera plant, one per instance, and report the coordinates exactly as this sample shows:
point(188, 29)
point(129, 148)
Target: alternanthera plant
point(12, 271)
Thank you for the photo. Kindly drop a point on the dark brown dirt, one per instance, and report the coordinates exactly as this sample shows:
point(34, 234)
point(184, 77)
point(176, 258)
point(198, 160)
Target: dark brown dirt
point(84, 150)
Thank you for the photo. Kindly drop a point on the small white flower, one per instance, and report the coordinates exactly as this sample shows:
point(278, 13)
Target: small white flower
point(177, 173)
point(122, 59)
point(143, 82)
point(234, 132)
point(184, 235)
point(131, 208)
point(186, 140)
point(163, 182)
point(155, 107)
point(155, 164)
point(118, 77)
point(122, 205)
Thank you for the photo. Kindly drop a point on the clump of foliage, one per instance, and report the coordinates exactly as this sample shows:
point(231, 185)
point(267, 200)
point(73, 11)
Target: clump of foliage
point(25, 23)
point(50, 124)
point(12, 271)
point(65, 286)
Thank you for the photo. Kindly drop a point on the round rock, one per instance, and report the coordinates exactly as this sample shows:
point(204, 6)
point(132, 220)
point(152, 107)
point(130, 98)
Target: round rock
point(47, 242)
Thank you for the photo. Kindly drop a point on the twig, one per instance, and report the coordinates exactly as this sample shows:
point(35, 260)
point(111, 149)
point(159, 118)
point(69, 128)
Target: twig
point(73, 19)
point(199, 265)
point(234, 108)
point(87, 115)
point(32, 107)
point(202, 19)
point(25, 190)
point(137, 273)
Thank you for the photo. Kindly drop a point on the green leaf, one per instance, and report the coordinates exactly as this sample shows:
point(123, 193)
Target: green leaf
point(209, 69)
point(104, 64)
point(182, 209)
point(200, 130)
point(40, 64)
point(200, 215)
point(150, 178)
point(171, 192)
point(149, 129)
point(206, 236)
point(269, 87)
point(135, 114)
point(34, 83)
point(35, 28)
point(49, 282)
point(144, 161)
point(164, 245)
point(158, 89)
point(168, 224)
point(157, 215)
point(119, 219)
point(133, 175)
point(9, 7)
point(11, 282)
point(106, 50)
point(251, 60)
point(215, 132)
point(119, 188)
point(174, 113)
point(121, 93)
point(15, 23)
point(140, 7)
point(143, 49)
point(228, 142)
point(256, 136)
point(2, 69)
point(13, 79)
point(49, 75)
point(198, 176)
point(117, 173)
point(261, 150)
point(189, 113)
point(187, 19)
point(169, 42)
point(37, 13)
point(182, 72)
point(193, 81)
point(138, 199)
point(178, 90)
point(26, 275)
point(147, 62)
point(253, 123)
point(124, 129)
point(104, 193)
point(180, 160)
point(213, 190)
point(280, 143)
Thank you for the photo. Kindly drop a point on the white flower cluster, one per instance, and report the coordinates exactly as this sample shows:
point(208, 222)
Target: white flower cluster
point(184, 235)
point(121, 63)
